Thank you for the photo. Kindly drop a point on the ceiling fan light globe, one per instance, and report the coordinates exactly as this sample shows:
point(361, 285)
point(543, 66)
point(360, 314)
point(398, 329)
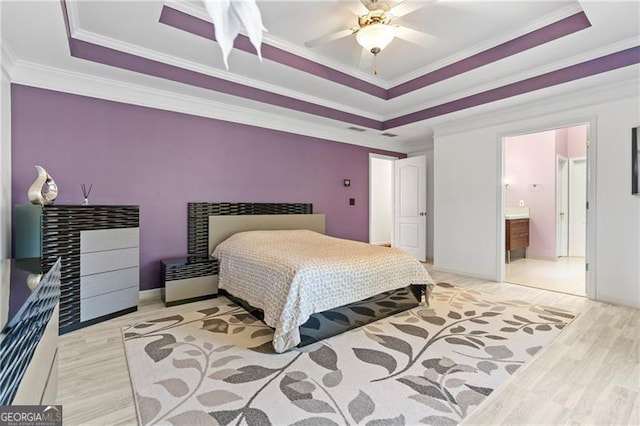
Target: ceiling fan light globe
point(375, 36)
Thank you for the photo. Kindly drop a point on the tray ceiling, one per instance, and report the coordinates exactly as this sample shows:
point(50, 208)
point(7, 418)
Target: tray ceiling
point(479, 52)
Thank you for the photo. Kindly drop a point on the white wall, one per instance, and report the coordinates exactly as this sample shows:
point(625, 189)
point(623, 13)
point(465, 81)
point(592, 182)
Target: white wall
point(466, 185)
point(428, 154)
point(467, 195)
point(381, 200)
point(5, 167)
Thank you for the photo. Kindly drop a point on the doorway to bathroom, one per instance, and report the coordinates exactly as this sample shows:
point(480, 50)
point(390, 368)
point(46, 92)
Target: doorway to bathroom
point(545, 199)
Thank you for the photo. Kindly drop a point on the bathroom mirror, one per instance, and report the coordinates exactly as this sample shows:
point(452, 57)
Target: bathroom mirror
point(635, 160)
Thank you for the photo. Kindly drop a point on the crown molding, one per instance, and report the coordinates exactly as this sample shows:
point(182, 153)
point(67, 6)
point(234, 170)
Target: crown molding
point(51, 78)
point(489, 44)
point(101, 40)
point(199, 12)
point(525, 108)
point(7, 58)
point(73, 16)
point(419, 145)
point(514, 78)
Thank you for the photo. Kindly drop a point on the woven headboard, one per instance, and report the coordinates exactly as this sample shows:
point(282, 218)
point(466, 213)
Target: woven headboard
point(198, 218)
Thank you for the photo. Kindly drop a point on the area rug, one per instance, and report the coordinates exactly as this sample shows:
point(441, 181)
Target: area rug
point(430, 365)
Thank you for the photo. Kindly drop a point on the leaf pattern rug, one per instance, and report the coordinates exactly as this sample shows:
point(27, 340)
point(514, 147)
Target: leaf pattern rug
point(430, 365)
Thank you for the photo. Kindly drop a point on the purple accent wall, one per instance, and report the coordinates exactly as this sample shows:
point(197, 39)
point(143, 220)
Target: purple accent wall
point(162, 160)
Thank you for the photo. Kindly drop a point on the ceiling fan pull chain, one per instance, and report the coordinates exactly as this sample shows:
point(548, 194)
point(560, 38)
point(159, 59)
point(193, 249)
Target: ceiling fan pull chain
point(375, 64)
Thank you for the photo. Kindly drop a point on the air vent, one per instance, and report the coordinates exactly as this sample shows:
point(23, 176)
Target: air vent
point(357, 129)
point(389, 135)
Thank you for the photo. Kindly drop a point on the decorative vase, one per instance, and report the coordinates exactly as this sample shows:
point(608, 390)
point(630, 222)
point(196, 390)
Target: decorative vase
point(43, 190)
point(33, 280)
point(85, 202)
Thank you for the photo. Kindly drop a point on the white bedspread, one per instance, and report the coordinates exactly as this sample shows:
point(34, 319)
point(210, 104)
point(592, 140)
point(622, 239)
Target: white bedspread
point(293, 274)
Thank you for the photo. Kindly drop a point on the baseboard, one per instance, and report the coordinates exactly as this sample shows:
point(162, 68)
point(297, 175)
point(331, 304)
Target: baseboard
point(154, 293)
point(464, 273)
point(618, 301)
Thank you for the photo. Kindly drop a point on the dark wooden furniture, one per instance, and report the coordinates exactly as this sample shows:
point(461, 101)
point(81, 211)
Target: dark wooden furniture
point(517, 236)
point(188, 279)
point(332, 322)
point(99, 248)
point(29, 338)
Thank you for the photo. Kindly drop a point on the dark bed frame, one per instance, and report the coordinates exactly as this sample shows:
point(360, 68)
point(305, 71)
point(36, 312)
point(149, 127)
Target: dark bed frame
point(338, 320)
point(321, 325)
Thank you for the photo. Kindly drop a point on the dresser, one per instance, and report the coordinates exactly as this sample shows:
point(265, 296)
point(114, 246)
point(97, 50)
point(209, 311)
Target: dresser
point(99, 249)
point(517, 232)
point(29, 337)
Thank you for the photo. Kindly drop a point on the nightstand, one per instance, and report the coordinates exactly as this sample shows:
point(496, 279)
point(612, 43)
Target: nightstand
point(189, 279)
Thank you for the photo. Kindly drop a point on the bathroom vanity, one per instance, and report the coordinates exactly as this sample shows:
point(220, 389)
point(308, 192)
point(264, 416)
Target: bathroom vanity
point(517, 230)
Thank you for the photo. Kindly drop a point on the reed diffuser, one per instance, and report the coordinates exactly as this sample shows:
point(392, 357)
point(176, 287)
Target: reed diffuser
point(85, 193)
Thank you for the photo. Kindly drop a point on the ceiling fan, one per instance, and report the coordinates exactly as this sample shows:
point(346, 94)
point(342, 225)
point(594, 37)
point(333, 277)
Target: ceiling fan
point(377, 27)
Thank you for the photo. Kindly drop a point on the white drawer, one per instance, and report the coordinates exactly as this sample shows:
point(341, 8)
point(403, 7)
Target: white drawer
point(190, 287)
point(94, 307)
point(105, 261)
point(109, 239)
point(106, 282)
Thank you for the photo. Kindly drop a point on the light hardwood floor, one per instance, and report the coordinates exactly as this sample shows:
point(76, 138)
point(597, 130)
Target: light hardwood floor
point(590, 374)
point(566, 274)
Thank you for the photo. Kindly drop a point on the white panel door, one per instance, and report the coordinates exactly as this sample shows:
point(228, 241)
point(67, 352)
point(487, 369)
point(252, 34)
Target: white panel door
point(410, 201)
point(577, 206)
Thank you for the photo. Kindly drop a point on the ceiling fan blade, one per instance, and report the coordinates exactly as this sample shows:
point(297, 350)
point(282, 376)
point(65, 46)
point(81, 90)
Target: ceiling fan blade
point(366, 60)
point(355, 6)
point(415, 37)
point(327, 38)
point(406, 7)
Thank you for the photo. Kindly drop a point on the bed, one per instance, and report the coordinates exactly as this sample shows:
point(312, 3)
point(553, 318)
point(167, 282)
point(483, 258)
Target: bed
point(306, 285)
